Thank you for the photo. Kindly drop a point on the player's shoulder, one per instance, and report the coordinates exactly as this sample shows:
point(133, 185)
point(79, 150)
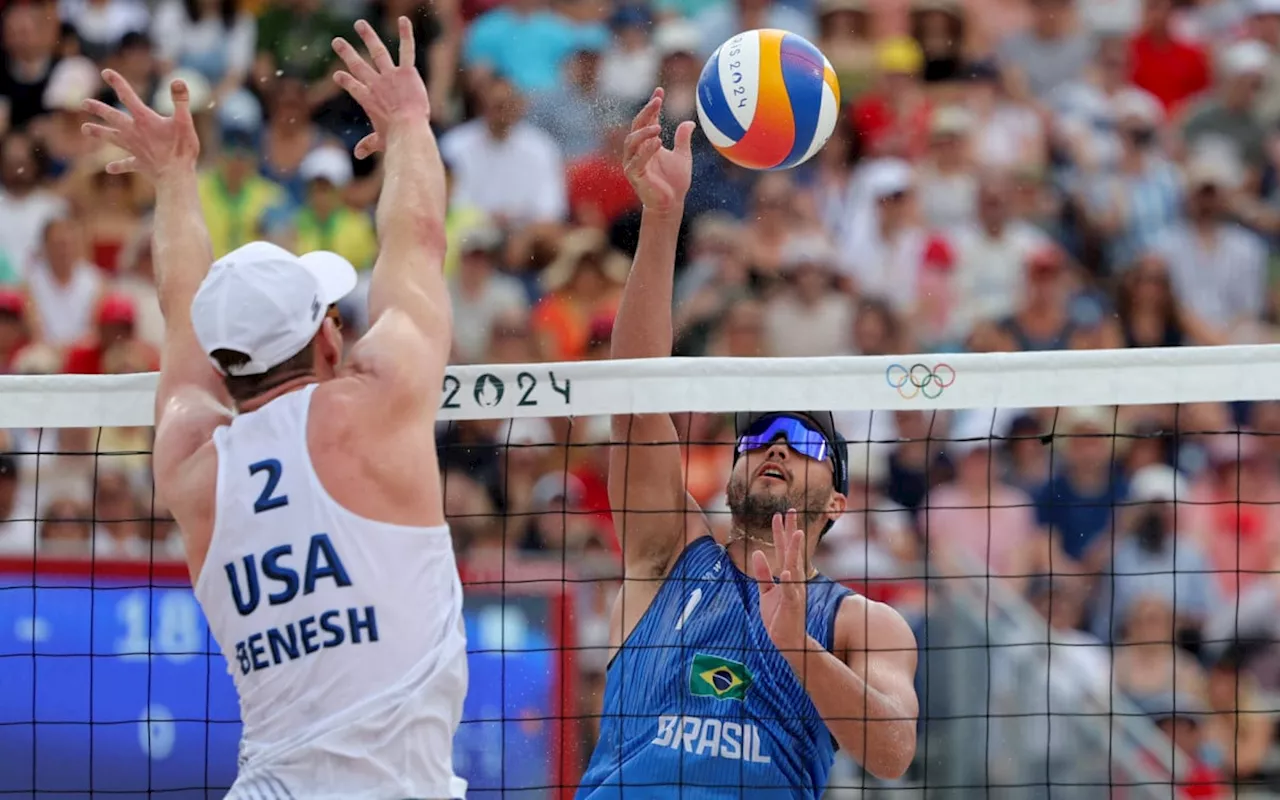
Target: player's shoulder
point(864, 624)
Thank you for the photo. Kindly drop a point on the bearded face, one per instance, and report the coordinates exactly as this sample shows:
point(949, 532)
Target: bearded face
point(775, 480)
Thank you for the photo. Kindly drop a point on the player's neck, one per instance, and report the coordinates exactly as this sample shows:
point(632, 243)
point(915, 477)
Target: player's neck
point(258, 401)
point(740, 544)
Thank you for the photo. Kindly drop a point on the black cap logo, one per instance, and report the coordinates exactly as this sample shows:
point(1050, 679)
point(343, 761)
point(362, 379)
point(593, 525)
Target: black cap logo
point(315, 309)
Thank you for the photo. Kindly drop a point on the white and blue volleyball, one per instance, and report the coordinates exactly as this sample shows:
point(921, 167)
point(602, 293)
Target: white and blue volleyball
point(768, 99)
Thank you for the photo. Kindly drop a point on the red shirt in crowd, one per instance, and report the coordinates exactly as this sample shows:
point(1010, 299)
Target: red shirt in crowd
point(876, 120)
point(1172, 70)
point(599, 183)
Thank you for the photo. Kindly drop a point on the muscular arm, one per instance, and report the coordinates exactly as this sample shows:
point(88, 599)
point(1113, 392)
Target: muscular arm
point(182, 255)
point(646, 476)
point(409, 271)
point(866, 695)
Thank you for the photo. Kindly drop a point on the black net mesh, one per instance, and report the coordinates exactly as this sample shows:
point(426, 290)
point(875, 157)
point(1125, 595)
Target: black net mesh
point(1093, 592)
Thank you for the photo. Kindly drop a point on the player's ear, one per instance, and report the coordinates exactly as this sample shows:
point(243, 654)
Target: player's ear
point(836, 505)
point(330, 343)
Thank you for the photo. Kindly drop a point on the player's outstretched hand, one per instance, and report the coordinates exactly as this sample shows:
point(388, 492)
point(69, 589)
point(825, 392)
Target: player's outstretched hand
point(783, 603)
point(156, 144)
point(660, 176)
point(389, 94)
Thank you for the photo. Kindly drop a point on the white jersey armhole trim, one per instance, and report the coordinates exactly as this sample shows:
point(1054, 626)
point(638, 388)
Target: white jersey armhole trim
point(219, 433)
point(314, 477)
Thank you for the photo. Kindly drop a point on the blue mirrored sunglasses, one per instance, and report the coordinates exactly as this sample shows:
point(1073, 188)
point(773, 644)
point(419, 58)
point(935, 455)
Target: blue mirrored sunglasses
point(800, 435)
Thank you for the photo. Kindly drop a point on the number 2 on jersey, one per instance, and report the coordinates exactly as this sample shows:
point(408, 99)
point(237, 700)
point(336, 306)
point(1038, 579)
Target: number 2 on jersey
point(268, 499)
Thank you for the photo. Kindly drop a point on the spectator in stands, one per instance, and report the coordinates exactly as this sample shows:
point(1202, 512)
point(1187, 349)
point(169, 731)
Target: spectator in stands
point(576, 111)
point(481, 294)
point(1029, 459)
point(1042, 320)
point(1052, 52)
point(30, 39)
point(289, 136)
point(1085, 111)
point(503, 165)
point(17, 535)
point(892, 119)
point(523, 41)
point(583, 282)
point(234, 197)
point(65, 288)
point(295, 38)
point(845, 37)
point(740, 333)
point(1240, 729)
point(629, 67)
point(1234, 511)
point(1152, 555)
point(678, 69)
point(65, 529)
point(512, 341)
point(325, 222)
point(598, 190)
point(135, 61)
point(1084, 491)
point(212, 37)
point(947, 179)
point(26, 206)
point(101, 24)
point(111, 207)
point(1181, 717)
point(809, 316)
point(72, 81)
point(1227, 117)
point(977, 520)
point(1164, 64)
point(115, 325)
point(1134, 198)
point(875, 539)
point(1148, 314)
point(1007, 133)
point(718, 22)
point(1217, 267)
point(989, 278)
point(16, 328)
point(1148, 661)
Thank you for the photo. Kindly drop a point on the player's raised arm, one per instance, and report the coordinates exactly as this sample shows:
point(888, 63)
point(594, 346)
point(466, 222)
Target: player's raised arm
point(408, 275)
point(646, 473)
point(165, 149)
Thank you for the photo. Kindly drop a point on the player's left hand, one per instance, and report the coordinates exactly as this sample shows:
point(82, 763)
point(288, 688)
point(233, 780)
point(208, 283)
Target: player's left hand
point(783, 602)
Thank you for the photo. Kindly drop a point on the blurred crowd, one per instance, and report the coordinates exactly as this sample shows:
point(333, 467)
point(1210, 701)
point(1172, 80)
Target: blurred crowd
point(1004, 175)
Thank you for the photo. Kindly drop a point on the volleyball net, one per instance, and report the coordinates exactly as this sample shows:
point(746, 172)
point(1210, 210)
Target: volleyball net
point(1086, 545)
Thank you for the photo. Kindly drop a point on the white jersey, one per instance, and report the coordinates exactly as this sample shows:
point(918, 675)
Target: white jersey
point(344, 635)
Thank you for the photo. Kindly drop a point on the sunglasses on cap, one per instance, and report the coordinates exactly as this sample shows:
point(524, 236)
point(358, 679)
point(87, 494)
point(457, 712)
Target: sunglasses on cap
point(802, 436)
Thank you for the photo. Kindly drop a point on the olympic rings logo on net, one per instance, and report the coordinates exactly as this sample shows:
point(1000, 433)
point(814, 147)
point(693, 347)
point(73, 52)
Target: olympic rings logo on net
point(920, 379)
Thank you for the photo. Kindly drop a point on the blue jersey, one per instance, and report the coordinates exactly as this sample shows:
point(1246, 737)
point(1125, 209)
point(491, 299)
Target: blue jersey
point(699, 697)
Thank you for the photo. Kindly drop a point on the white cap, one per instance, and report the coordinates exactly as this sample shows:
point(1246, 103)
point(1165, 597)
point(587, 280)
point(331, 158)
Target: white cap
point(199, 92)
point(71, 82)
point(330, 163)
point(1245, 58)
point(1157, 483)
point(1137, 104)
point(265, 302)
point(888, 176)
point(676, 36)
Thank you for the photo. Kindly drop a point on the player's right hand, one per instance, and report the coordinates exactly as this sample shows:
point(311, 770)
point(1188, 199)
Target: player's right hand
point(389, 94)
point(660, 176)
point(156, 144)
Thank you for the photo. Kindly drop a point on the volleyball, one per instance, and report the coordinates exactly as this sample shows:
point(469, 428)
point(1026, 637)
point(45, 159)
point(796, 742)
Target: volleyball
point(767, 99)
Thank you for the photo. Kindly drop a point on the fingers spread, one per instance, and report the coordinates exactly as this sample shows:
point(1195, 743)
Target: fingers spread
point(760, 569)
point(112, 116)
point(649, 114)
point(369, 145)
point(408, 50)
point(684, 138)
point(123, 166)
point(181, 101)
point(377, 50)
point(354, 61)
point(644, 153)
point(126, 94)
point(358, 91)
point(102, 133)
point(632, 143)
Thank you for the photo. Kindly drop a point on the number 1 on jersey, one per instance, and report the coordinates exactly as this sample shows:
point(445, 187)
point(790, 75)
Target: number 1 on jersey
point(267, 500)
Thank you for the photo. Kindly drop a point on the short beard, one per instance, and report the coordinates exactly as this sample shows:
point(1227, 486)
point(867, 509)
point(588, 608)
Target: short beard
point(753, 514)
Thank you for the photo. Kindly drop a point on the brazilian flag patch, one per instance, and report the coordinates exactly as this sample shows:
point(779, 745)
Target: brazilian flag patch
point(712, 676)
